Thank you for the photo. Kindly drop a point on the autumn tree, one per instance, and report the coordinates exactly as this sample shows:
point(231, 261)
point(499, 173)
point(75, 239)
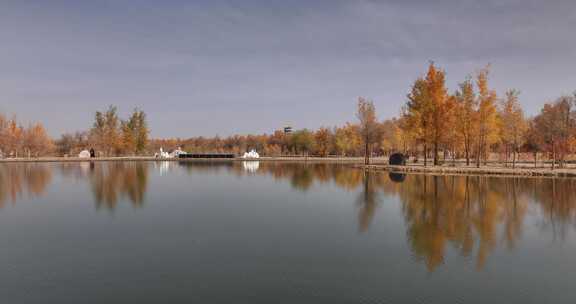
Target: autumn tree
point(369, 131)
point(487, 116)
point(14, 137)
point(323, 141)
point(555, 125)
point(533, 140)
point(346, 138)
point(35, 140)
point(418, 115)
point(466, 118)
point(134, 132)
point(17, 141)
point(142, 130)
point(392, 137)
point(513, 124)
point(112, 122)
point(451, 137)
point(128, 130)
point(429, 110)
point(440, 105)
point(408, 139)
point(114, 136)
point(276, 142)
point(98, 131)
point(302, 141)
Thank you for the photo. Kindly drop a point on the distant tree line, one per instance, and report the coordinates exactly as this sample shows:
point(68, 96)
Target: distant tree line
point(19, 141)
point(471, 124)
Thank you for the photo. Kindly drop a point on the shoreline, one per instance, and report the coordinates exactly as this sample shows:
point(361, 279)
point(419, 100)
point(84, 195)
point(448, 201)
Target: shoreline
point(483, 171)
point(355, 160)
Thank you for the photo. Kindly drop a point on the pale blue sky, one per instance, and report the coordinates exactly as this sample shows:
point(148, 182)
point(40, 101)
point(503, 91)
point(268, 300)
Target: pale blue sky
point(227, 67)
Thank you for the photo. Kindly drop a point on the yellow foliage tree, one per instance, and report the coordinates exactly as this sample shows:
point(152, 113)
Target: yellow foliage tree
point(513, 124)
point(429, 110)
point(488, 121)
point(466, 116)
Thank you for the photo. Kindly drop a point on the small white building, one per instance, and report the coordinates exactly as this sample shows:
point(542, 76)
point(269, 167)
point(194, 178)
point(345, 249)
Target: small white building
point(84, 154)
point(251, 154)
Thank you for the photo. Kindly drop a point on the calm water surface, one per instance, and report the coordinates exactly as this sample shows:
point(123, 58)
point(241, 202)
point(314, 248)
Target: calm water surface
point(160, 232)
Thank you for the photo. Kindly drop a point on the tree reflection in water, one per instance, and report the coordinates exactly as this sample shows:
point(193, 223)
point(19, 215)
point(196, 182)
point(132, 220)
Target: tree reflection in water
point(469, 214)
point(19, 179)
point(368, 199)
point(112, 181)
point(439, 210)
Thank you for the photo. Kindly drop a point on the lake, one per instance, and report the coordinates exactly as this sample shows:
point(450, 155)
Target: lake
point(266, 232)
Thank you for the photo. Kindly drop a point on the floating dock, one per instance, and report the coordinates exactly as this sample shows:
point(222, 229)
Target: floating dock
point(207, 155)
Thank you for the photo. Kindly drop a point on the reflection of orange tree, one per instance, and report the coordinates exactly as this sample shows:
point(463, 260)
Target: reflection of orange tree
point(463, 211)
point(21, 178)
point(368, 200)
point(111, 181)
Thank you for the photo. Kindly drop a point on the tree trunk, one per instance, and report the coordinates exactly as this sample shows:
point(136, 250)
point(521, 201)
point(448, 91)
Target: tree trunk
point(514, 158)
point(435, 153)
point(367, 154)
point(467, 155)
point(553, 155)
point(505, 155)
point(425, 155)
point(478, 153)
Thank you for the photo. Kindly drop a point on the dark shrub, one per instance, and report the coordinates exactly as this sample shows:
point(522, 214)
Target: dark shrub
point(397, 159)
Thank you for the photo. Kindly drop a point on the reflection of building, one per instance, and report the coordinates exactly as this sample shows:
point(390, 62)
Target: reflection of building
point(163, 167)
point(251, 166)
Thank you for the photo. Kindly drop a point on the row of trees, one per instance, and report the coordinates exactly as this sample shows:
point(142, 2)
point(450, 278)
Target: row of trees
point(114, 136)
point(473, 122)
point(110, 135)
point(17, 140)
point(466, 121)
